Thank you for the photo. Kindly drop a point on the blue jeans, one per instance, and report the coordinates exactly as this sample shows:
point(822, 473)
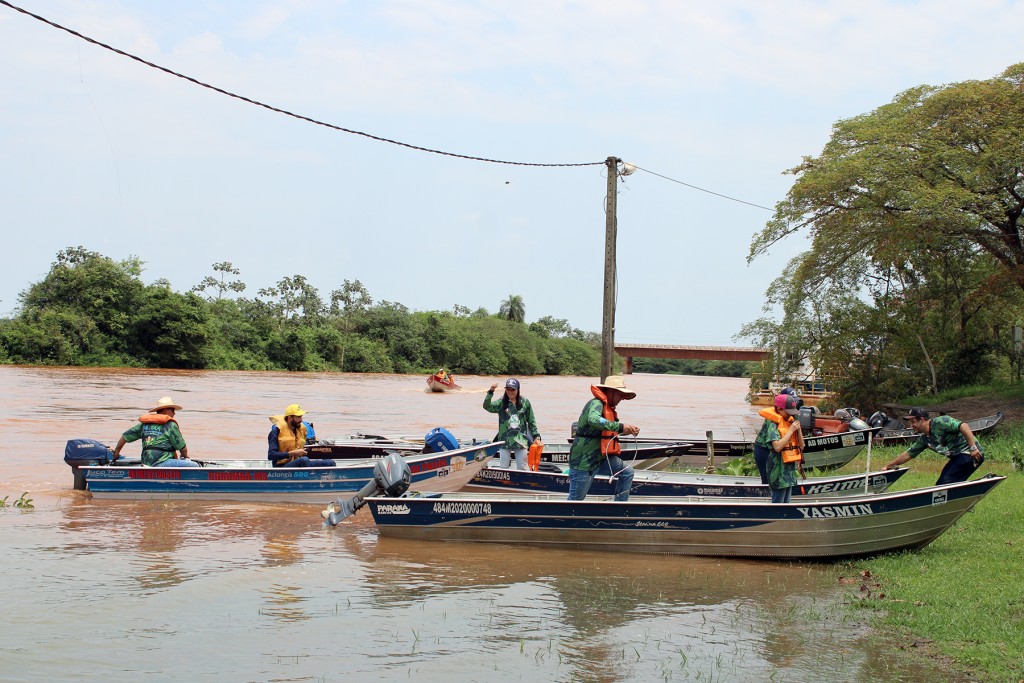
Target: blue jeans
point(761, 460)
point(305, 461)
point(782, 495)
point(959, 468)
point(580, 480)
point(177, 462)
point(505, 457)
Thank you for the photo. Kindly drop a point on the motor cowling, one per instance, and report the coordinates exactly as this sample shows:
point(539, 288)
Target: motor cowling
point(391, 477)
point(80, 452)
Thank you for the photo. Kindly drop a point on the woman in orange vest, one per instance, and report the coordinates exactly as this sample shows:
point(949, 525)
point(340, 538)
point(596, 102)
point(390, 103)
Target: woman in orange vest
point(781, 437)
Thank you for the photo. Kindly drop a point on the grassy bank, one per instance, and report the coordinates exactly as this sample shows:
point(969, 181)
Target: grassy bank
point(962, 597)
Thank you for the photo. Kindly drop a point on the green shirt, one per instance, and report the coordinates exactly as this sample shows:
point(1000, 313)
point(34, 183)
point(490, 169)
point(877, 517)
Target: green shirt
point(517, 426)
point(943, 437)
point(781, 475)
point(586, 452)
point(159, 442)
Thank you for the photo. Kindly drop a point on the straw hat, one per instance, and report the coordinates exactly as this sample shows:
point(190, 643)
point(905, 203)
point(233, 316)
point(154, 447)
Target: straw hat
point(294, 409)
point(165, 402)
point(616, 382)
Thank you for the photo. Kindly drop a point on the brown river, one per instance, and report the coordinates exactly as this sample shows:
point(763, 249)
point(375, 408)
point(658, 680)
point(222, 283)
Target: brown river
point(200, 591)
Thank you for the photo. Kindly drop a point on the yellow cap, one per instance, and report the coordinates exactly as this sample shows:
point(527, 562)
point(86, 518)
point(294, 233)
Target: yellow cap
point(294, 409)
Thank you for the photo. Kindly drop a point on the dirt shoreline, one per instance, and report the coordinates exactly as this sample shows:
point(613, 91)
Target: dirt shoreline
point(971, 407)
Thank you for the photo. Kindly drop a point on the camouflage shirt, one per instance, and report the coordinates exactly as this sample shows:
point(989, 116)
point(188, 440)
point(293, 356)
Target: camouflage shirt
point(943, 437)
point(158, 441)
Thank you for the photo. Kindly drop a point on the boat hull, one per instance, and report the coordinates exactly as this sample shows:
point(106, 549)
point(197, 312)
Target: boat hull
point(437, 384)
point(256, 481)
point(804, 530)
point(677, 484)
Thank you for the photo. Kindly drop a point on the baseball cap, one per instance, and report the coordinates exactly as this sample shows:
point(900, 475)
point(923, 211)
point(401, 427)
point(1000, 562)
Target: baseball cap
point(916, 413)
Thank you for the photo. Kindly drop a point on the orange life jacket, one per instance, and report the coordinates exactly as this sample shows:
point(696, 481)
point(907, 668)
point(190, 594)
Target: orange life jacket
point(794, 450)
point(609, 439)
point(156, 419)
point(288, 440)
point(533, 457)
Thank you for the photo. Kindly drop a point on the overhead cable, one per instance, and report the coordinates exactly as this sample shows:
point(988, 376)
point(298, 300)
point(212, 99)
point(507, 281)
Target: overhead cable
point(277, 109)
point(717, 194)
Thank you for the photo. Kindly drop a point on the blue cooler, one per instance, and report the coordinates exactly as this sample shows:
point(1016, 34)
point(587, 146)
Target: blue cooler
point(440, 439)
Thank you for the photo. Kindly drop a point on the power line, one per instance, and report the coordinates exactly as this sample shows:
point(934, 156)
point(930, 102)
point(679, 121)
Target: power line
point(277, 109)
point(717, 194)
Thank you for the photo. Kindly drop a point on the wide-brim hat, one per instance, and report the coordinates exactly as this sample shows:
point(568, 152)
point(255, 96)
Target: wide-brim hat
point(616, 382)
point(165, 402)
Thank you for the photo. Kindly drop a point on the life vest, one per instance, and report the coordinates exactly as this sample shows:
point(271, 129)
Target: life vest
point(609, 439)
point(533, 456)
point(794, 450)
point(156, 419)
point(287, 439)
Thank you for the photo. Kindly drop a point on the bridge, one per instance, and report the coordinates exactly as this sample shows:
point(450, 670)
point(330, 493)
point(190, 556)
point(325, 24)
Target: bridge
point(631, 351)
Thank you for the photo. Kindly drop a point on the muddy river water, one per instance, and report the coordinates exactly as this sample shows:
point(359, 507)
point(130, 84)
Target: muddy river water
point(200, 591)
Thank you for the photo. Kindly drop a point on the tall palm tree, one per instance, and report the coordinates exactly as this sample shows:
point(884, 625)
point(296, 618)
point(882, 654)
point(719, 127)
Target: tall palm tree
point(513, 309)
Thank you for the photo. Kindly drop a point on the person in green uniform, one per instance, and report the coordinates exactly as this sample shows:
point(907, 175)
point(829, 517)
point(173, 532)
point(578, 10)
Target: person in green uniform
point(162, 442)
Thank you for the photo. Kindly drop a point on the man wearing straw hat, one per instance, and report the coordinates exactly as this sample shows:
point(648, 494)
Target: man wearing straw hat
point(595, 450)
point(161, 438)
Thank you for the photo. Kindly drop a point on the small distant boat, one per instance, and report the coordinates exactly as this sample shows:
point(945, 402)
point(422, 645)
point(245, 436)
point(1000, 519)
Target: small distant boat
point(442, 381)
point(892, 437)
point(815, 529)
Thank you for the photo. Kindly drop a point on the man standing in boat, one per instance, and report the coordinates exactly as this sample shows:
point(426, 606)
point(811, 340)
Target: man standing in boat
point(161, 438)
point(595, 450)
point(946, 436)
point(287, 441)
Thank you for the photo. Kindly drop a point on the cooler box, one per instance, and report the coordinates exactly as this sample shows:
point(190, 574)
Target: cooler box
point(440, 439)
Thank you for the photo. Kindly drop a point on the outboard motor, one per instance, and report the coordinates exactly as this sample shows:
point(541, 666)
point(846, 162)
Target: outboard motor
point(807, 419)
point(878, 419)
point(79, 452)
point(391, 477)
point(857, 423)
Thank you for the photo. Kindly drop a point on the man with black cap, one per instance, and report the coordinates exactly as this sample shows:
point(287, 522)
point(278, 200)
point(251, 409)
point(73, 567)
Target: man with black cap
point(947, 436)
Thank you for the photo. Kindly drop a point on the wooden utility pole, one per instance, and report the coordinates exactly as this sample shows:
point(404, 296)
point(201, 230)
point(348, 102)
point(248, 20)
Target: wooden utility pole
point(608, 323)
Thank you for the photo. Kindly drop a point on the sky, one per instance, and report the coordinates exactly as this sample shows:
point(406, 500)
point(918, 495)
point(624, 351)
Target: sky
point(100, 151)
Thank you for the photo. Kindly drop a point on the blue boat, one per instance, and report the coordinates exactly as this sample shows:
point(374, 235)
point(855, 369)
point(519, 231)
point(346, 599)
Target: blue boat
point(258, 481)
point(493, 479)
point(815, 529)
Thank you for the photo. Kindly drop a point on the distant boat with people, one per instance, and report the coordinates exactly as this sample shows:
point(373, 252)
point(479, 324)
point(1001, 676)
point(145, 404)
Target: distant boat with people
point(442, 381)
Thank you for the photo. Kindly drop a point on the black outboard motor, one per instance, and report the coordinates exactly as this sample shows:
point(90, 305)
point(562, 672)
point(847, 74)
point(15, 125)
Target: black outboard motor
point(391, 477)
point(807, 419)
point(79, 452)
point(880, 419)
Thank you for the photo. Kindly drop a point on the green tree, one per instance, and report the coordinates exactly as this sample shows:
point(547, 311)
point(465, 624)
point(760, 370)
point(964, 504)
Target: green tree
point(513, 309)
point(220, 283)
point(913, 210)
point(170, 330)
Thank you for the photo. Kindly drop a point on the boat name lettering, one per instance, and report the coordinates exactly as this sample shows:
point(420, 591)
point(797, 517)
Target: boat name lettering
point(213, 475)
point(155, 473)
point(830, 440)
point(392, 509)
point(836, 511)
point(833, 486)
point(428, 465)
point(495, 474)
point(710, 491)
point(559, 457)
point(661, 525)
point(463, 508)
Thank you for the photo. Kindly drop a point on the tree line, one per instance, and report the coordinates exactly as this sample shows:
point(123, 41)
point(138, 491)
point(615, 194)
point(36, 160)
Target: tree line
point(914, 279)
point(92, 310)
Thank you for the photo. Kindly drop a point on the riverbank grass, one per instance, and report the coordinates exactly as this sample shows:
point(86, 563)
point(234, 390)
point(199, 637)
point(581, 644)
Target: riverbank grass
point(962, 597)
